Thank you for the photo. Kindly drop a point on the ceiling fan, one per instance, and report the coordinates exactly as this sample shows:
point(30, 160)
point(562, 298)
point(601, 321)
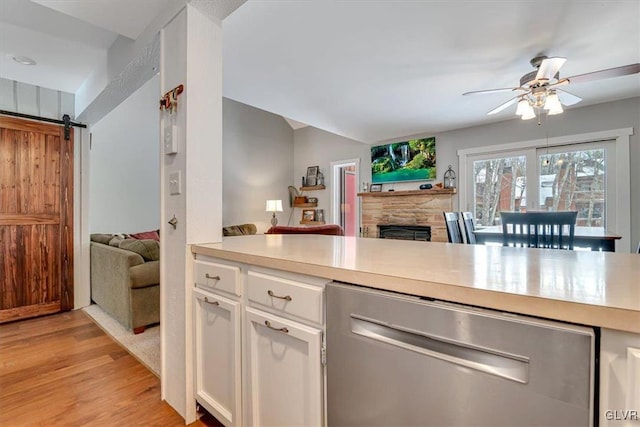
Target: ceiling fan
point(539, 89)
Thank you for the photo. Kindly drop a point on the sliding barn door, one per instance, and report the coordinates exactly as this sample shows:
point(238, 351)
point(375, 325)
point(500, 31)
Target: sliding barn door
point(36, 219)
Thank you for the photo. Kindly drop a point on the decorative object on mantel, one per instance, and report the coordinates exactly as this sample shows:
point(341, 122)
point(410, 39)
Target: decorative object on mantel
point(425, 186)
point(375, 188)
point(365, 187)
point(274, 206)
point(449, 178)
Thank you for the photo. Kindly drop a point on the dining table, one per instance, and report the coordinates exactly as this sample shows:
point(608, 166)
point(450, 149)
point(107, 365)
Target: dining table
point(594, 238)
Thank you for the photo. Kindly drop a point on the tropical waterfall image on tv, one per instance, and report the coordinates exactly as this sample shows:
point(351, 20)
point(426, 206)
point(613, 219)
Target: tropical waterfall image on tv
point(413, 160)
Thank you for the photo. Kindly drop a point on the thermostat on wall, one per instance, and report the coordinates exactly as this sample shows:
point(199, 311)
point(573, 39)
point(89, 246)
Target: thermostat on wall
point(171, 139)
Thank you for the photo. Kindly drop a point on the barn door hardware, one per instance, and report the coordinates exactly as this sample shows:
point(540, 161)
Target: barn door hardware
point(170, 99)
point(66, 121)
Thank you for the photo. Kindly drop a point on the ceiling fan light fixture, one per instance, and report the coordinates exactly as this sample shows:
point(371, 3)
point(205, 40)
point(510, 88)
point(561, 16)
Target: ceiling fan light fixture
point(552, 102)
point(528, 114)
point(556, 109)
point(523, 106)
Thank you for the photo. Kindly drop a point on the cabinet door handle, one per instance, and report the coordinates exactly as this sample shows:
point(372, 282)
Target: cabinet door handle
point(211, 277)
point(211, 302)
point(271, 294)
point(268, 325)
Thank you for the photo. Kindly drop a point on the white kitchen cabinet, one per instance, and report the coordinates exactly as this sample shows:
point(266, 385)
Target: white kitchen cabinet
point(217, 340)
point(284, 371)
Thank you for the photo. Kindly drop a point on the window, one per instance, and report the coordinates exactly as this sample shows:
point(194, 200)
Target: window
point(589, 173)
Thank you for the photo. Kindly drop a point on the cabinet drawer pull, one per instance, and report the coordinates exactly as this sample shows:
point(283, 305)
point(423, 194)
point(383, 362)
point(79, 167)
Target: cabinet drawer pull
point(212, 277)
point(271, 294)
point(268, 325)
point(211, 302)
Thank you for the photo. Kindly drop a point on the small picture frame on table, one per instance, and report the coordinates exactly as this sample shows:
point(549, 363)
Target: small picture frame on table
point(312, 176)
point(308, 215)
point(375, 188)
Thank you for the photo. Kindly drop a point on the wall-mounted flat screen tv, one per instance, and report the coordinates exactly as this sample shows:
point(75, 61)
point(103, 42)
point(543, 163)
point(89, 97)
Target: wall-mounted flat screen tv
point(413, 160)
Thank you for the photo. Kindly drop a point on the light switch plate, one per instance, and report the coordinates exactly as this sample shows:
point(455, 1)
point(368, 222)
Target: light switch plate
point(170, 138)
point(175, 183)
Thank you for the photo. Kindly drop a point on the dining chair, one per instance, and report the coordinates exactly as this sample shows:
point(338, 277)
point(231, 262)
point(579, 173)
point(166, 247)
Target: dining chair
point(469, 226)
point(539, 229)
point(454, 233)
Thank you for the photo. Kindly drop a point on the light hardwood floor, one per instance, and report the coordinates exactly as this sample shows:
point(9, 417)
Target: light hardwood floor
point(64, 370)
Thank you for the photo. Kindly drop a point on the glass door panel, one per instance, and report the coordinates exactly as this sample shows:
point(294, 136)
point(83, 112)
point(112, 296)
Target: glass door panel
point(499, 184)
point(574, 180)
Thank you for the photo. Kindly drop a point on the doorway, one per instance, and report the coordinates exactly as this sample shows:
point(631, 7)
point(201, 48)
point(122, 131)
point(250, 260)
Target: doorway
point(344, 195)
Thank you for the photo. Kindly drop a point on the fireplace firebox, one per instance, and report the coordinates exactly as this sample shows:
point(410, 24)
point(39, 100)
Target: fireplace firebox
point(405, 232)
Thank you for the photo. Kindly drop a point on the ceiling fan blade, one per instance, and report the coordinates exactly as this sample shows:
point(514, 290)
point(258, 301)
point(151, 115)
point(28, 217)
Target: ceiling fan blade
point(549, 68)
point(483, 92)
point(503, 106)
point(606, 74)
point(567, 98)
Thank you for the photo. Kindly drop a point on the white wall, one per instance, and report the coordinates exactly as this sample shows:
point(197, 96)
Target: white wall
point(257, 164)
point(35, 100)
point(125, 165)
point(191, 54)
point(315, 147)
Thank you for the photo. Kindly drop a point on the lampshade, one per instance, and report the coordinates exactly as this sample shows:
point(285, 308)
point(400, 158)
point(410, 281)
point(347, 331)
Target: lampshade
point(274, 206)
point(523, 106)
point(529, 113)
point(552, 103)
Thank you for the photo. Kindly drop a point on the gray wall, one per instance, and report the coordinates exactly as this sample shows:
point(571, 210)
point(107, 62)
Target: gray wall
point(594, 118)
point(315, 147)
point(257, 154)
point(124, 177)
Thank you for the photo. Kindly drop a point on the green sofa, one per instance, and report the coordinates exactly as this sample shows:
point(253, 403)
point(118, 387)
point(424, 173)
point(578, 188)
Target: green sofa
point(125, 283)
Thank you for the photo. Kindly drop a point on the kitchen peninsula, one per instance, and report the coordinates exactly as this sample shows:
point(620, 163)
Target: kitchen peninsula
point(589, 288)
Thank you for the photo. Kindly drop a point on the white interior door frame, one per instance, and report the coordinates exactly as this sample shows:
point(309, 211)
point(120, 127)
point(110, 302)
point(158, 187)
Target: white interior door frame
point(336, 190)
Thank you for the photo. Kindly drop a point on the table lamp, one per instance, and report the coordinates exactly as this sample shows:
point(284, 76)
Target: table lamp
point(274, 206)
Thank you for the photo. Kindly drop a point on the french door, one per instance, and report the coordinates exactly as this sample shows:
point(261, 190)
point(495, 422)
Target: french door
point(36, 219)
point(560, 178)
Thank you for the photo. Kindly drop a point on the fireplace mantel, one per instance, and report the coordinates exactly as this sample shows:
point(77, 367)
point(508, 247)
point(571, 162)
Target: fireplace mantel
point(414, 207)
point(431, 191)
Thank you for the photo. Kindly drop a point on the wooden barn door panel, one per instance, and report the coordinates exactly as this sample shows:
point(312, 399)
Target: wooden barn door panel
point(36, 219)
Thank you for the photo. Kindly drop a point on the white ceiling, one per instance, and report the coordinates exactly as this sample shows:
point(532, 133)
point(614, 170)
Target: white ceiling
point(369, 70)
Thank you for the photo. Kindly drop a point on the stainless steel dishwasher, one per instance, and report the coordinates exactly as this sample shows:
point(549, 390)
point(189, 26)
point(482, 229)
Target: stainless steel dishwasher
point(397, 360)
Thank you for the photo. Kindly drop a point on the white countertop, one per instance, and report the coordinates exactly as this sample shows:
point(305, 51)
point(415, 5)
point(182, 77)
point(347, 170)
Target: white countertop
point(592, 288)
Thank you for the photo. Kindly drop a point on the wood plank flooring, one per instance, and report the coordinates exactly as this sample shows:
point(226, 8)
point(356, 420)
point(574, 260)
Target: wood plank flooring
point(64, 370)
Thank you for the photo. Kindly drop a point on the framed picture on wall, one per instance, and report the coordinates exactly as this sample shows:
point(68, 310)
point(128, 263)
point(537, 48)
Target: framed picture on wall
point(312, 176)
point(308, 215)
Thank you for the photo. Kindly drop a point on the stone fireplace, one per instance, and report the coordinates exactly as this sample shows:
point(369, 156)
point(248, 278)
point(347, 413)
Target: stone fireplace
point(419, 207)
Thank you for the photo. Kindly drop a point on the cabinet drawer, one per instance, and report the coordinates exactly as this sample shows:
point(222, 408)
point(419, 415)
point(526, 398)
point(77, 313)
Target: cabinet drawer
point(285, 296)
point(217, 277)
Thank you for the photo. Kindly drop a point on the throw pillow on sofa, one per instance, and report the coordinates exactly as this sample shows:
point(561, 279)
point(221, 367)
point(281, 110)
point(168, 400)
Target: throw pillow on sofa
point(154, 234)
point(101, 238)
point(116, 239)
point(148, 249)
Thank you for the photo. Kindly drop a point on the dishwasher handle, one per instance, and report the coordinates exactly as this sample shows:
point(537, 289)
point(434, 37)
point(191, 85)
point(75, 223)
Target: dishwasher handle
point(505, 365)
